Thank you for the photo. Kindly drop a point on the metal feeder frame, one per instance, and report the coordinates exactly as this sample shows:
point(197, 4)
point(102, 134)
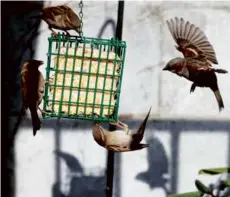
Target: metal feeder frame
point(119, 47)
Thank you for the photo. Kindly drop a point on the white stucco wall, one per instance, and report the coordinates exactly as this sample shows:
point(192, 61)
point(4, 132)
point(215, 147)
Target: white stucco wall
point(187, 130)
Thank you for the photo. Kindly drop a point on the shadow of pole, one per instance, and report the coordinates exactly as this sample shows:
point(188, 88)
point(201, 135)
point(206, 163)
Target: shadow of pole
point(57, 145)
point(229, 147)
point(174, 152)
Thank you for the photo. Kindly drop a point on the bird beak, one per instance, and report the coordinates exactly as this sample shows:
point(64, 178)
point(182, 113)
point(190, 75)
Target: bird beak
point(166, 68)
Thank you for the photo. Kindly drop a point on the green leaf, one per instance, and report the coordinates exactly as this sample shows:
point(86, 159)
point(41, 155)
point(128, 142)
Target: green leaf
point(201, 187)
point(214, 171)
point(188, 194)
point(226, 183)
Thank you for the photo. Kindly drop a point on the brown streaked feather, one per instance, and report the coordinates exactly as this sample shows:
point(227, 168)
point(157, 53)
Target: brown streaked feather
point(191, 40)
point(201, 65)
point(56, 10)
point(23, 90)
point(61, 17)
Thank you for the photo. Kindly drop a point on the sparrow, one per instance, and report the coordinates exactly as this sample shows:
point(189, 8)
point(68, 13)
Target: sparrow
point(62, 18)
point(199, 55)
point(123, 140)
point(32, 90)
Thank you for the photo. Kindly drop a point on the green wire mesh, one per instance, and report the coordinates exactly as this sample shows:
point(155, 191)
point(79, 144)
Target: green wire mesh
point(85, 77)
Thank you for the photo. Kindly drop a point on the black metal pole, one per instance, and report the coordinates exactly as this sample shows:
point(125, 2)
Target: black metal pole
point(110, 157)
point(120, 15)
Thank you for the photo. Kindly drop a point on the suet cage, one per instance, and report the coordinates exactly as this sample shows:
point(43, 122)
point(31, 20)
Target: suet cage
point(85, 77)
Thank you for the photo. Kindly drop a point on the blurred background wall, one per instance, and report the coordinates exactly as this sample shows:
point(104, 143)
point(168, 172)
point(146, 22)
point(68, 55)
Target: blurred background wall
point(186, 132)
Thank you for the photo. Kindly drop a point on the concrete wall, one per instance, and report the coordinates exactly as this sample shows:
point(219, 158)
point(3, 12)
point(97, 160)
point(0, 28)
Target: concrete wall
point(186, 131)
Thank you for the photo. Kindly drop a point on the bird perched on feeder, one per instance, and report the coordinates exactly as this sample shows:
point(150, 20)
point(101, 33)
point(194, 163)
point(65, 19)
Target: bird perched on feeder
point(62, 18)
point(120, 140)
point(32, 89)
point(199, 54)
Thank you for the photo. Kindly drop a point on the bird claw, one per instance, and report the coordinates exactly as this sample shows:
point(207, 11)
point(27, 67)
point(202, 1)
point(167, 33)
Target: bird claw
point(67, 34)
point(121, 125)
point(42, 111)
point(193, 87)
point(55, 34)
point(49, 81)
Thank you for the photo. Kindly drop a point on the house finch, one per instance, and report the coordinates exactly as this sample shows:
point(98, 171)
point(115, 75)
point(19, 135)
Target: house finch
point(199, 55)
point(120, 140)
point(62, 18)
point(32, 89)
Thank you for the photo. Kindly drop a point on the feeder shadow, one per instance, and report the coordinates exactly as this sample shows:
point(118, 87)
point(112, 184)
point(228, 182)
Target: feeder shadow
point(79, 184)
point(104, 26)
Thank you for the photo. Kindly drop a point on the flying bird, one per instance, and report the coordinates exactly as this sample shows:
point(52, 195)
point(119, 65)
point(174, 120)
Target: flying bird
point(32, 89)
point(120, 140)
point(62, 18)
point(199, 55)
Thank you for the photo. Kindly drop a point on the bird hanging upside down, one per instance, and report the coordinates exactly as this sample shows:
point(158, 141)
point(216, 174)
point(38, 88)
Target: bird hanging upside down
point(199, 55)
point(120, 140)
point(61, 18)
point(32, 89)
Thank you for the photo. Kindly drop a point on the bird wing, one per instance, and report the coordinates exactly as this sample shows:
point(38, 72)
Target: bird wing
point(41, 88)
point(23, 85)
point(197, 66)
point(57, 10)
point(191, 40)
point(138, 136)
point(55, 14)
point(98, 134)
point(61, 16)
point(73, 16)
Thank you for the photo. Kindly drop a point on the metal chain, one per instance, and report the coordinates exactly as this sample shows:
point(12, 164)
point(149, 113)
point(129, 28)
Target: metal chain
point(81, 16)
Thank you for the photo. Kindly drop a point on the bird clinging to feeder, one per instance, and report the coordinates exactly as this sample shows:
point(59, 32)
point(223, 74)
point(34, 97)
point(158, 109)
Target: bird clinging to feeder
point(62, 18)
point(32, 89)
point(120, 140)
point(199, 55)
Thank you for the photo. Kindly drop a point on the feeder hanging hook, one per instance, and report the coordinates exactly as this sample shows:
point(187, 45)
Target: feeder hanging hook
point(81, 17)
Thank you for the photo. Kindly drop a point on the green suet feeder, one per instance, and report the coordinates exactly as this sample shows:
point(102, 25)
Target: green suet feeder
point(85, 77)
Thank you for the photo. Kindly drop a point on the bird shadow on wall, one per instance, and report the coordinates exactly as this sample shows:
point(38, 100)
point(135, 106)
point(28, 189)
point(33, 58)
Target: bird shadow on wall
point(157, 173)
point(77, 183)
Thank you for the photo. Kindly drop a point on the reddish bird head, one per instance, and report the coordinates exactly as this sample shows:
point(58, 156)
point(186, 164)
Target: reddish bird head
point(98, 135)
point(31, 65)
point(173, 64)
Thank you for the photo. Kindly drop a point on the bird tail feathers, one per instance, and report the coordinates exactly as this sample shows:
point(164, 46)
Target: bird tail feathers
point(219, 70)
point(35, 122)
point(219, 99)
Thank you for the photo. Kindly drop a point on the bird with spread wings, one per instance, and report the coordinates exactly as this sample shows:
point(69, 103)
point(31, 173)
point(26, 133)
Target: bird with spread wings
point(199, 55)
